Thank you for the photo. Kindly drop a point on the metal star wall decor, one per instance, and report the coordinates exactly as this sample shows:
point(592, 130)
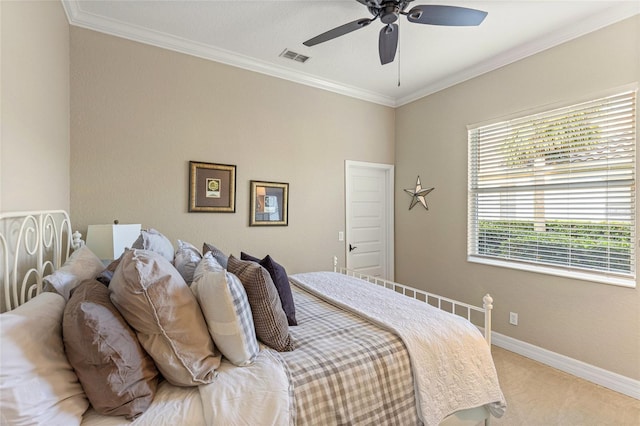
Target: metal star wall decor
point(418, 195)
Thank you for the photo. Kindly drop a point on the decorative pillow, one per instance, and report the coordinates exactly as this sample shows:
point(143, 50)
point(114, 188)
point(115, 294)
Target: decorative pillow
point(151, 239)
point(105, 276)
point(186, 260)
point(82, 265)
point(281, 280)
point(156, 302)
point(37, 384)
point(269, 318)
point(217, 254)
point(118, 376)
point(227, 311)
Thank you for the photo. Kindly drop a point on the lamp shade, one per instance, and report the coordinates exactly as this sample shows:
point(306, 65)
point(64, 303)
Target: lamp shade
point(109, 241)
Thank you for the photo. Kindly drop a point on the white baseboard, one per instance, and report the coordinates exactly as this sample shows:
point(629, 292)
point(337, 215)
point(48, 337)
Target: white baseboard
point(597, 375)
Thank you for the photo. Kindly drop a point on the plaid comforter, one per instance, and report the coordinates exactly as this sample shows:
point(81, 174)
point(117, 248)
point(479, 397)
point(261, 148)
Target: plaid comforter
point(345, 370)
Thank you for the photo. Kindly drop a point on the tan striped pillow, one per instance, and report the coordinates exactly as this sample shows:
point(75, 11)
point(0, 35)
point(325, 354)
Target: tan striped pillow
point(268, 316)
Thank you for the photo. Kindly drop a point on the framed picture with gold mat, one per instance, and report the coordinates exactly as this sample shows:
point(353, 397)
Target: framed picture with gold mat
point(269, 204)
point(212, 187)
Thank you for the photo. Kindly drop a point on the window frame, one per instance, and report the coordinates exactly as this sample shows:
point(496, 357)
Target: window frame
point(567, 271)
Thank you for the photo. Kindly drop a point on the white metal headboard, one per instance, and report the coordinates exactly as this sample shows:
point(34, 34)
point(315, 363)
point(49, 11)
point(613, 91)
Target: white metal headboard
point(32, 245)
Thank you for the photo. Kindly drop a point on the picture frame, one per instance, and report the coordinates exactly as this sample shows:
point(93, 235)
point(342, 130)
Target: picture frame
point(269, 204)
point(212, 187)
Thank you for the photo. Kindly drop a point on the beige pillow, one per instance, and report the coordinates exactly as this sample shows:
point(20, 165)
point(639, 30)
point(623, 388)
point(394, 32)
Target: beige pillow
point(37, 383)
point(118, 376)
point(154, 299)
point(82, 265)
point(268, 316)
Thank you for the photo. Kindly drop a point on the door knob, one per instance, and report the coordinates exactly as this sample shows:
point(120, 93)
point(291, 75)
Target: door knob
point(352, 248)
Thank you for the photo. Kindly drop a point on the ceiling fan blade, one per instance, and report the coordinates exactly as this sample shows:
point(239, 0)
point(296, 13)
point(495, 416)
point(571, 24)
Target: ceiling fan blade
point(338, 31)
point(388, 43)
point(446, 15)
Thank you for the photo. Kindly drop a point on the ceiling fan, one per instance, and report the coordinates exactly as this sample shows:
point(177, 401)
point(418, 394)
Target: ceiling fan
point(389, 11)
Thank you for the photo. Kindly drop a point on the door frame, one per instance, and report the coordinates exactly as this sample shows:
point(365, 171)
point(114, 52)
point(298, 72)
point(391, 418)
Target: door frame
point(389, 170)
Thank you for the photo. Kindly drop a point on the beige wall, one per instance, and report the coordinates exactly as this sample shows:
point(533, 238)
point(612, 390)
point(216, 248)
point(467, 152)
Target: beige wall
point(598, 324)
point(140, 113)
point(34, 106)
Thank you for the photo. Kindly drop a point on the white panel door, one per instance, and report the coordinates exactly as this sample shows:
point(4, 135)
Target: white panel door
point(369, 218)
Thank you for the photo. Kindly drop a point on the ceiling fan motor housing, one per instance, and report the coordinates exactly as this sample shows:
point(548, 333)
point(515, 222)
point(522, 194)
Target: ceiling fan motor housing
point(388, 11)
point(389, 14)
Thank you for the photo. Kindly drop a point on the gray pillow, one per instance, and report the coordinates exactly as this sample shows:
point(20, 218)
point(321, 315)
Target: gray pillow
point(226, 309)
point(154, 299)
point(116, 373)
point(219, 255)
point(269, 318)
point(151, 239)
point(82, 265)
point(186, 260)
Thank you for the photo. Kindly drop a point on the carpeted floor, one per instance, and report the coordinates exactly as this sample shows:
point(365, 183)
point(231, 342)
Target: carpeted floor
point(538, 395)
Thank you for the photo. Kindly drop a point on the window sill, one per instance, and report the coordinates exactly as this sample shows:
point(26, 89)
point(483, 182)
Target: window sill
point(601, 278)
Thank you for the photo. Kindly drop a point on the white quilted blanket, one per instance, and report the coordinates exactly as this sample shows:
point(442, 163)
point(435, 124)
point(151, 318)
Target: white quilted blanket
point(452, 364)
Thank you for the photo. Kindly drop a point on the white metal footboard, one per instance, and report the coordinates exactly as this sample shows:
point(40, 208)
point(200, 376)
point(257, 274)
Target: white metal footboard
point(444, 303)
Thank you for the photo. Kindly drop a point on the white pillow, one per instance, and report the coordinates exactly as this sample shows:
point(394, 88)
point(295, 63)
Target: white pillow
point(186, 260)
point(152, 239)
point(37, 384)
point(226, 310)
point(82, 265)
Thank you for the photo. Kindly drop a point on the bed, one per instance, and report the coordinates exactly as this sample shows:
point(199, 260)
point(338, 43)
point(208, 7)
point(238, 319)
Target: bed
point(338, 348)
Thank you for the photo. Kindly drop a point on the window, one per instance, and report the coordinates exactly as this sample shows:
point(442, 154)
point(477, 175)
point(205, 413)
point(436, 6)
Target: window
point(554, 192)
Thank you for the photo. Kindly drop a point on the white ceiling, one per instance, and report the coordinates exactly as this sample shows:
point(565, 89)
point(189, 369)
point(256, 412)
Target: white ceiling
point(253, 34)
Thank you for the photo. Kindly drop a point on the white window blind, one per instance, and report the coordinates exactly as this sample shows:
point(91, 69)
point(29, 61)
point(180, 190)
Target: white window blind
point(557, 190)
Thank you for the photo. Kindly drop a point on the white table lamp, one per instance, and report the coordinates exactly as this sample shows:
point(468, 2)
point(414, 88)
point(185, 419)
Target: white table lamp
point(109, 241)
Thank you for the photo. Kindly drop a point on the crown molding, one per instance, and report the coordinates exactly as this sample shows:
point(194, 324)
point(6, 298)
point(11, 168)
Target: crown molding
point(596, 22)
point(79, 18)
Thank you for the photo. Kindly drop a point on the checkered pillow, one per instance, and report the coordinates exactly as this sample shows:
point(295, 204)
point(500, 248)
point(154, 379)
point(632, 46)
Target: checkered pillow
point(281, 280)
point(269, 318)
point(217, 254)
point(226, 310)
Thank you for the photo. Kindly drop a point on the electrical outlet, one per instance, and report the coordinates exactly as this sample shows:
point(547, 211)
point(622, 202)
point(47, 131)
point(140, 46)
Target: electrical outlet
point(513, 318)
